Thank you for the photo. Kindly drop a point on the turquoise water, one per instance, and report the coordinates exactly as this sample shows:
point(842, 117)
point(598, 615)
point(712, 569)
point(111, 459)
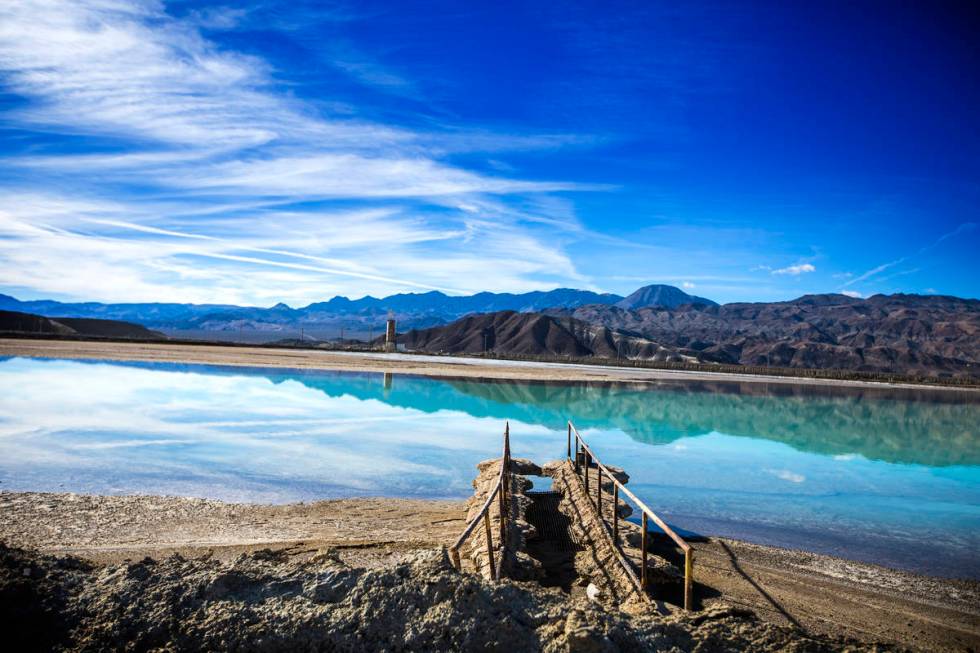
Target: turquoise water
point(874, 475)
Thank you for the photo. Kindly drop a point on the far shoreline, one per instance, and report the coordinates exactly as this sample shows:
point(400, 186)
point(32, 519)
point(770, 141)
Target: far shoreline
point(429, 365)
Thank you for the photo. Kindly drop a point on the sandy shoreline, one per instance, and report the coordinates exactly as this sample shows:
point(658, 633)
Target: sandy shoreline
point(819, 594)
point(434, 366)
point(111, 529)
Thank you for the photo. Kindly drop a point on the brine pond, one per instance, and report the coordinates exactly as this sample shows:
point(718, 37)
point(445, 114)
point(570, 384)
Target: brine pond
point(884, 476)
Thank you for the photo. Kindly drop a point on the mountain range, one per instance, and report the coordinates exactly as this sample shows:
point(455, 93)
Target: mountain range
point(357, 316)
point(917, 335)
point(903, 334)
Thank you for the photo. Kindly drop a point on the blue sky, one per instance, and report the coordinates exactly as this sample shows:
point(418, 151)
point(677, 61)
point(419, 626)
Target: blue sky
point(290, 151)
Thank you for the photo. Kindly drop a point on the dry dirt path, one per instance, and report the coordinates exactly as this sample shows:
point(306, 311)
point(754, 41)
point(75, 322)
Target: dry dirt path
point(830, 596)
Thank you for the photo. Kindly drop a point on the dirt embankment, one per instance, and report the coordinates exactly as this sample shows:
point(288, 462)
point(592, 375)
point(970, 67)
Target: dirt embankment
point(265, 601)
point(436, 366)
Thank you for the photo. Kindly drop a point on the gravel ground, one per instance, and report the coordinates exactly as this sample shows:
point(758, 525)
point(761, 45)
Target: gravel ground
point(266, 601)
point(108, 529)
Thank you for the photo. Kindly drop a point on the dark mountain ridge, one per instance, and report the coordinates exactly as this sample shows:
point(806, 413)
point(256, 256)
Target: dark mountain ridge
point(901, 334)
point(13, 322)
point(906, 334)
point(661, 295)
point(410, 309)
point(533, 334)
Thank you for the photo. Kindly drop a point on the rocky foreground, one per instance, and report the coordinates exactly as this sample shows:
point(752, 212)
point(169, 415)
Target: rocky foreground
point(265, 601)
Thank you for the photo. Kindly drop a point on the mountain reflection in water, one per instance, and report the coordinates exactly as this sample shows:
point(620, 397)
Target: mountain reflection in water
point(875, 474)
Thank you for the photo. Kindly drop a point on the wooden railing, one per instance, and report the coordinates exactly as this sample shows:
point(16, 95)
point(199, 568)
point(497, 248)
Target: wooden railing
point(501, 492)
point(583, 461)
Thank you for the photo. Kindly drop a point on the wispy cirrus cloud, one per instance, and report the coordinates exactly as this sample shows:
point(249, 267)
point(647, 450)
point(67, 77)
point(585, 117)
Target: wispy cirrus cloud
point(204, 178)
point(878, 269)
point(280, 256)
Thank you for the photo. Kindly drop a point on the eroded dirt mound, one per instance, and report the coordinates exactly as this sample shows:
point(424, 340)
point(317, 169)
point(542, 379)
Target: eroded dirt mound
point(264, 601)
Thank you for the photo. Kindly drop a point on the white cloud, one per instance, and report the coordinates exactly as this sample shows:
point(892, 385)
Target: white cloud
point(852, 293)
point(795, 270)
point(223, 153)
point(687, 284)
point(282, 256)
point(350, 175)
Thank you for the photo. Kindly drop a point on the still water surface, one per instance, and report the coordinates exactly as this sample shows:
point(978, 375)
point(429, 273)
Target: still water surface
point(874, 475)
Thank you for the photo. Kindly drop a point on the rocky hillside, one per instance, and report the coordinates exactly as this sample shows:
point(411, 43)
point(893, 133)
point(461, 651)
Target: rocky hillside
point(534, 334)
point(12, 322)
point(907, 334)
point(899, 334)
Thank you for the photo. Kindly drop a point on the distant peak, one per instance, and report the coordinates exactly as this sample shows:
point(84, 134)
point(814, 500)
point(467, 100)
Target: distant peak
point(661, 295)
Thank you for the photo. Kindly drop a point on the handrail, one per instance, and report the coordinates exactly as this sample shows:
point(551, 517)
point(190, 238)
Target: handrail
point(647, 513)
point(501, 489)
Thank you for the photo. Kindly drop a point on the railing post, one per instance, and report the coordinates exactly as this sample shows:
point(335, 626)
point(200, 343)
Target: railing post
point(504, 496)
point(643, 545)
point(615, 514)
point(587, 465)
point(505, 461)
point(570, 441)
point(688, 579)
point(503, 525)
point(493, 565)
point(598, 492)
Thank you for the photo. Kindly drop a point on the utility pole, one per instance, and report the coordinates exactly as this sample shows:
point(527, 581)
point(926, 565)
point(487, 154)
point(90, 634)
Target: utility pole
point(391, 336)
